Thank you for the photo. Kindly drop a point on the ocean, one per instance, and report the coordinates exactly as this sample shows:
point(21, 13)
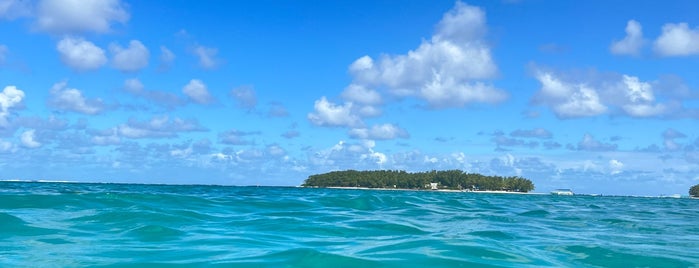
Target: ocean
point(46, 224)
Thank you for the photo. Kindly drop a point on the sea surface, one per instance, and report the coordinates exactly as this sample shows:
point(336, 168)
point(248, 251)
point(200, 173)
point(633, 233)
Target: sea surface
point(126, 225)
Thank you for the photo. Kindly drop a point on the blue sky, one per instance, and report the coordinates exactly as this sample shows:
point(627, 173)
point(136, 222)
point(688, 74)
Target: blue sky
point(600, 96)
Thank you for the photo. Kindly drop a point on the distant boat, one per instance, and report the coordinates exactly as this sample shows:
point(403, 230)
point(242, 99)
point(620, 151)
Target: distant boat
point(562, 192)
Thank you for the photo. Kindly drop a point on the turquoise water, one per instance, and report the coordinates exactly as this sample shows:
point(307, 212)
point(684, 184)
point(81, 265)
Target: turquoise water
point(71, 224)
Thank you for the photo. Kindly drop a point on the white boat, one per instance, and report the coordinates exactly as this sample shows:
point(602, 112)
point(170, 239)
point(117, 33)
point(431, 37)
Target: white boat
point(562, 192)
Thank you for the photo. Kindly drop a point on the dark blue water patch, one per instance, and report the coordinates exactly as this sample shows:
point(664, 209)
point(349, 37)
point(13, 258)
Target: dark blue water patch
point(11, 226)
point(604, 257)
point(493, 234)
point(539, 213)
point(154, 233)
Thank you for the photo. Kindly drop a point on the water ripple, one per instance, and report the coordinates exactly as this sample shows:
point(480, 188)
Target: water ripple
point(56, 224)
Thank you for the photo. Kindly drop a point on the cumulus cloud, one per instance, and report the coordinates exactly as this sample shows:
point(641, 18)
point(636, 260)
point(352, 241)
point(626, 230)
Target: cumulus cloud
point(291, 134)
point(10, 97)
point(360, 94)
point(28, 139)
point(275, 150)
point(532, 133)
point(244, 97)
point(166, 58)
point(330, 114)
point(207, 56)
point(502, 142)
point(196, 91)
point(80, 54)
point(130, 59)
point(444, 71)
point(277, 110)
point(569, 100)
point(105, 137)
point(345, 155)
point(571, 96)
point(588, 143)
point(7, 147)
point(615, 166)
point(133, 86)
point(72, 99)
point(163, 98)
point(640, 98)
point(189, 149)
point(632, 43)
point(236, 137)
point(158, 127)
point(52, 123)
point(80, 16)
point(677, 40)
point(550, 145)
point(379, 132)
point(669, 136)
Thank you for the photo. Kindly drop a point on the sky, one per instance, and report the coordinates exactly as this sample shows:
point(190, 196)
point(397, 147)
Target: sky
point(597, 96)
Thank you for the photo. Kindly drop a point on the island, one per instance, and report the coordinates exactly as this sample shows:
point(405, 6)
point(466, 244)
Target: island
point(694, 191)
point(429, 180)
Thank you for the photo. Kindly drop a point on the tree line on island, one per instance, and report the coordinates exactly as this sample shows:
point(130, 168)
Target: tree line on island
point(398, 179)
point(694, 191)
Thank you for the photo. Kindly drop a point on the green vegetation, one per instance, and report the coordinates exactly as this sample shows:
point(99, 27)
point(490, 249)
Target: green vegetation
point(694, 191)
point(448, 179)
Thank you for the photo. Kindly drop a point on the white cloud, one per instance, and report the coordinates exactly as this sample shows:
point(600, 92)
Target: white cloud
point(196, 90)
point(245, 97)
point(275, 150)
point(450, 93)
point(130, 59)
point(79, 16)
point(588, 143)
point(368, 111)
point(80, 54)
point(595, 94)
point(443, 71)
point(330, 114)
point(157, 127)
point(569, 100)
point(133, 86)
point(12, 9)
point(236, 137)
point(677, 40)
point(533, 133)
point(379, 132)
point(166, 58)
point(207, 57)
point(3, 53)
point(640, 98)
point(106, 140)
point(583, 102)
point(7, 147)
point(291, 134)
point(71, 99)
point(632, 43)
point(164, 98)
point(669, 136)
point(615, 166)
point(349, 156)
point(10, 97)
point(360, 94)
point(277, 110)
point(28, 139)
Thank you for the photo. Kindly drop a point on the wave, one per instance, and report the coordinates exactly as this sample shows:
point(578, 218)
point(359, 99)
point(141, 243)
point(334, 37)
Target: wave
point(57, 224)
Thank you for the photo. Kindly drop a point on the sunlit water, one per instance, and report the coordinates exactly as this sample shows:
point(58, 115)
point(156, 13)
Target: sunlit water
point(71, 224)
